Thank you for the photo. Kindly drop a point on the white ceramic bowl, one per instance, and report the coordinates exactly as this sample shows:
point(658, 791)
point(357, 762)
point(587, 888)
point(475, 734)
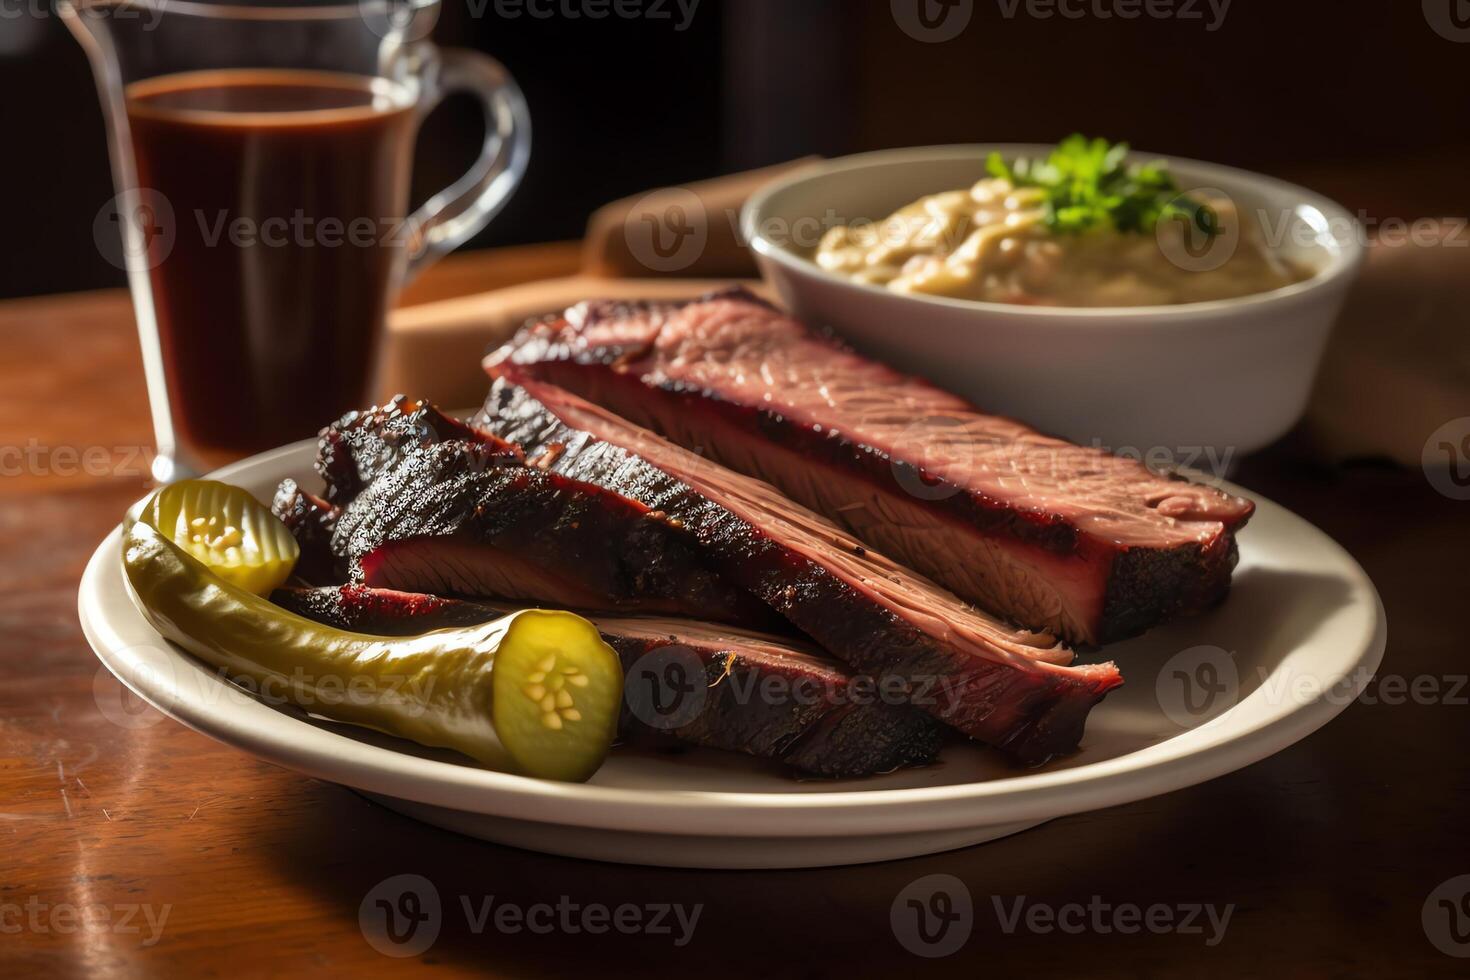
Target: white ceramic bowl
point(1228, 376)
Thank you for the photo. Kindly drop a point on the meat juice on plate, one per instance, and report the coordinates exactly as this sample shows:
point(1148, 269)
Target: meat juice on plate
point(286, 191)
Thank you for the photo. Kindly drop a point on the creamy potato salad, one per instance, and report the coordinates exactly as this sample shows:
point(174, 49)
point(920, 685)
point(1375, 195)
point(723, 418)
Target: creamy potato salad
point(1008, 240)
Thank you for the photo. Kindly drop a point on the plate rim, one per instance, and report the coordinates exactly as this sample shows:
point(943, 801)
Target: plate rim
point(1175, 763)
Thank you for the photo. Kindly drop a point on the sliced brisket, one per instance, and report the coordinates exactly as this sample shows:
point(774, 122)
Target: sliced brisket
point(700, 683)
point(1009, 688)
point(1045, 533)
point(430, 505)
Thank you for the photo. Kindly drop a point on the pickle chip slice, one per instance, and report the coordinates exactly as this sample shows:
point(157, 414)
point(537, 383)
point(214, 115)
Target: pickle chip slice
point(557, 693)
point(227, 530)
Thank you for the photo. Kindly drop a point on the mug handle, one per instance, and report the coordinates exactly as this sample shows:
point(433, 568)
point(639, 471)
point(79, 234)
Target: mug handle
point(454, 215)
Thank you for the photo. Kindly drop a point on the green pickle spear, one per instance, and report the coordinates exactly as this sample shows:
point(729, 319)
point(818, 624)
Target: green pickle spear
point(536, 692)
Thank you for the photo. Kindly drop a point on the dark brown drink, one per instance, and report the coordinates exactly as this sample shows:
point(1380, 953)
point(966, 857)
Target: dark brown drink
point(287, 189)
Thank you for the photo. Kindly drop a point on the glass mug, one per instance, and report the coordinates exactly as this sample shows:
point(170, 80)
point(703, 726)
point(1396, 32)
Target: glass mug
point(262, 154)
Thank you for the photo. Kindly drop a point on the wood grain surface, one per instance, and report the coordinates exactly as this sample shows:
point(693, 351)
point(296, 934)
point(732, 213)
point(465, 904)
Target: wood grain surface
point(136, 848)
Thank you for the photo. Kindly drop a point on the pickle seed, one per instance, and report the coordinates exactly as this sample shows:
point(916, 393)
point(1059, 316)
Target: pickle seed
point(547, 687)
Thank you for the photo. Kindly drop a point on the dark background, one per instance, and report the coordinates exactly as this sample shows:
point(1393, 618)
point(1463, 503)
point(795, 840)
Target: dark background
point(1364, 100)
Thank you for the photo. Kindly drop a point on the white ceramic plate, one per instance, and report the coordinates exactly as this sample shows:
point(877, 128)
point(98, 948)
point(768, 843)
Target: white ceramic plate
point(1298, 639)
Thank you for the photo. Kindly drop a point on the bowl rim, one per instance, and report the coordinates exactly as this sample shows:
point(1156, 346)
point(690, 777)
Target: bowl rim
point(1344, 257)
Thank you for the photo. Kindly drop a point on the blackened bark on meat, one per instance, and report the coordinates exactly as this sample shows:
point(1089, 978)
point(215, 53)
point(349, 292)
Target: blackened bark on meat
point(361, 446)
point(437, 506)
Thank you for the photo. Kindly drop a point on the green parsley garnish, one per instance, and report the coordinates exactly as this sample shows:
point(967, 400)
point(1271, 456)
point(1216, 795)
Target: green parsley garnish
point(1089, 185)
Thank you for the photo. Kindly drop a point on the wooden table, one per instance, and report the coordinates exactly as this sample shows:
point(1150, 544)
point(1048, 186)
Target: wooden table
point(1327, 852)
